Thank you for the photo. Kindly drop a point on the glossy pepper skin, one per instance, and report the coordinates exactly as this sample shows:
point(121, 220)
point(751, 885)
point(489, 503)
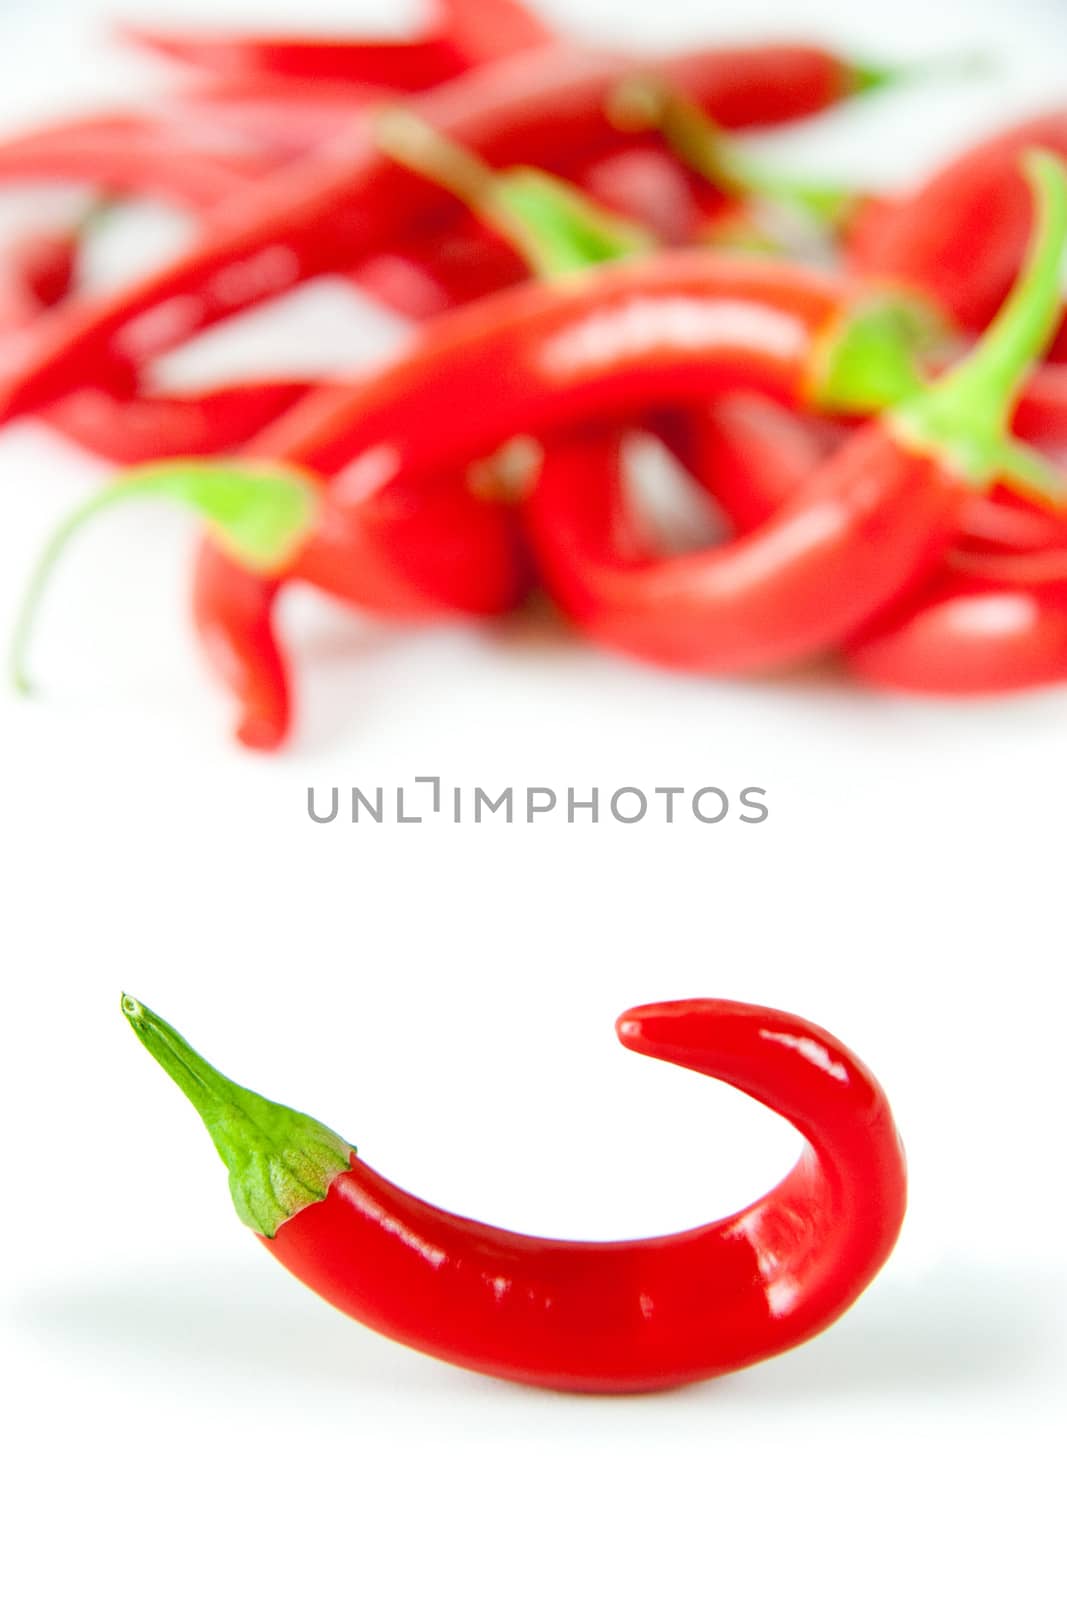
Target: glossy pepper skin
point(603, 1318)
point(346, 202)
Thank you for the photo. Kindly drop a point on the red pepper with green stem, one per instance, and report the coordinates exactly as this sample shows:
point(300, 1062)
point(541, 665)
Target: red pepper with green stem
point(868, 526)
point(620, 1317)
point(343, 204)
point(751, 454)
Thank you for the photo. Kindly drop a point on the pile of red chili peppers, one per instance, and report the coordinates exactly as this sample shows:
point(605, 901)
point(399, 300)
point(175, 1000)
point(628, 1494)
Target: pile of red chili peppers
point(592, 254)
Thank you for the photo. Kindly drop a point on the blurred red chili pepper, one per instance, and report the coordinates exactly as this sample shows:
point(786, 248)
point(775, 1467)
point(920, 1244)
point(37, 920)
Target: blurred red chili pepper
point(135, 155)
point(618, 339)
point(610, 1318)
point(610, 341)
point(962, 233)
point(464, 33)
point(341, 205)
point(861, 531)
point(129, 430)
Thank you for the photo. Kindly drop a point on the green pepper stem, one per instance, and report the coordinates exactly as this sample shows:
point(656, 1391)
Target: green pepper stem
point(964, 417)
point(260, 513)
point(279, 1160)
point(551, 224)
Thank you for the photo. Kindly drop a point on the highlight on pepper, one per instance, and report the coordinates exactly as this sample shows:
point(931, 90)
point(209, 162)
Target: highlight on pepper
point(619, 1317)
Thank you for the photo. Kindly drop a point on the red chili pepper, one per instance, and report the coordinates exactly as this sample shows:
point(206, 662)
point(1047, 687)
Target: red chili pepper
point(417, 552)
point(994, 620)
point(140, 428)
point(36, 272)
point(971, 632)
point(610, 1318)
point(866, 527)
point(465, 34)
point(342, 205)
point(131, 155)
point(752, 454)
point(962, 234)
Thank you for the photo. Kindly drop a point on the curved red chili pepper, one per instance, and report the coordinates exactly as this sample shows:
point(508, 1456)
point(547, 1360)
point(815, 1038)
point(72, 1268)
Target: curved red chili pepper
point(962, 234)
point(343, 204)
point(609, 1318)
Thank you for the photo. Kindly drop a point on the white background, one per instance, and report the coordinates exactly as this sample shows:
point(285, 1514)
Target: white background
point(185, 1418)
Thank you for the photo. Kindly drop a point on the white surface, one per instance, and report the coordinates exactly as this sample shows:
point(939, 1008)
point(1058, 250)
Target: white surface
point(181, 1417)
